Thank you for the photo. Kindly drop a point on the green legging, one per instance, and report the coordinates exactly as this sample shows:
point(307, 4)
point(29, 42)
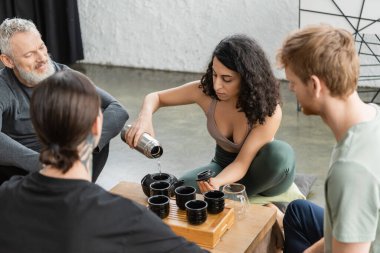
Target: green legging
point(270, 173)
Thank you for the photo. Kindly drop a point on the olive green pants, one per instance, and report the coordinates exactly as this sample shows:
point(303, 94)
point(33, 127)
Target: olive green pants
point(270, 173)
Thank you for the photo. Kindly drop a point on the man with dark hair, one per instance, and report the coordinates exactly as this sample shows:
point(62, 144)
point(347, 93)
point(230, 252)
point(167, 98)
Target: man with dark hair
point(58, 209)
point(27, 62)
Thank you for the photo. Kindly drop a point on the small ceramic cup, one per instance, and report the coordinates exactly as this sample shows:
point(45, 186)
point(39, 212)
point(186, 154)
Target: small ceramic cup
point(159, 188)
point(196, 211)
point(205, 175)
point(184, 194)
point(215, 201)
point(160, 205)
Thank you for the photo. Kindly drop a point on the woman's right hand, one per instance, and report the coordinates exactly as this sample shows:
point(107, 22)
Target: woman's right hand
point(185, 94)
point(137, 128)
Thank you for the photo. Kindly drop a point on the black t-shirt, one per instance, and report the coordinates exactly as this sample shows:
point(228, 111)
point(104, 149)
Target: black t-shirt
point(44, 214)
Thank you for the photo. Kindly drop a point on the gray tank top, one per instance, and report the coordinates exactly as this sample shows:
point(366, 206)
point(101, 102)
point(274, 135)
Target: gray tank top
point(222, 141)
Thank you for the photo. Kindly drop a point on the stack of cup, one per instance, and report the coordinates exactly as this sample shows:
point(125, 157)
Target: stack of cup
point(184, 194)
point(159, 201)
point(196, 210)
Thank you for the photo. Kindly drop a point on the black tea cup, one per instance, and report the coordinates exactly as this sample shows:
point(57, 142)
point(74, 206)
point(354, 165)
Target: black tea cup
point(184, 194)
point(205, 175)
point(160, 205)
point(196, 211)
point(159, 188)
point(215, 201)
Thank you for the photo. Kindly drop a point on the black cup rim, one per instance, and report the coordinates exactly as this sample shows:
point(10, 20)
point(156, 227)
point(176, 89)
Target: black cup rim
point(160, 176)
point(185, 187)
point(196, 201)
point(159, 182)
point(158, 196)
point(214, 192)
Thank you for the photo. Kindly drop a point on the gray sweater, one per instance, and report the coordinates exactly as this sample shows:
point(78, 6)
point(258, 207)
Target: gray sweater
point(19, 145)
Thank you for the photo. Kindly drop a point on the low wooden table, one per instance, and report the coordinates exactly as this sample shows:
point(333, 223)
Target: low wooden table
point(252, 234)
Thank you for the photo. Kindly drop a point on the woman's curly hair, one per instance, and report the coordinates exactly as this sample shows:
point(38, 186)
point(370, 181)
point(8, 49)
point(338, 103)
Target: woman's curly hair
point(259, 90)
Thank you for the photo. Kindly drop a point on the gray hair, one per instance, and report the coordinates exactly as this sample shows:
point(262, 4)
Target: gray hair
point(9, 27)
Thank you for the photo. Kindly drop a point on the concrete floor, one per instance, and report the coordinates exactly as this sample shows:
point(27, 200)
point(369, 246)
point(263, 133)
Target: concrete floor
point(183, 134)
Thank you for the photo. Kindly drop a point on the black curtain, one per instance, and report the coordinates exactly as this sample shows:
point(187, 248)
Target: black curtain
point(57, 21)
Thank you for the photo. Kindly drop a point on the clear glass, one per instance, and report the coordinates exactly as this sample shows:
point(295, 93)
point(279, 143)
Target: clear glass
point(236, 197)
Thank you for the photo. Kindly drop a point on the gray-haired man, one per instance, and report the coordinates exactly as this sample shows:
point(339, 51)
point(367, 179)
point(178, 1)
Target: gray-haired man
point(27, 62)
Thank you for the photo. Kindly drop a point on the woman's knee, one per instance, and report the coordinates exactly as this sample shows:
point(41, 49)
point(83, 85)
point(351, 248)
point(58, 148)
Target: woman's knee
point(279, 153)
point(274, 168)
point(276, 158)
point(279, 158)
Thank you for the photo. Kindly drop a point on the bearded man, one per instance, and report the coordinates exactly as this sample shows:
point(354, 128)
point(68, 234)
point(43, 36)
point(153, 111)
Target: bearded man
point(27, 62)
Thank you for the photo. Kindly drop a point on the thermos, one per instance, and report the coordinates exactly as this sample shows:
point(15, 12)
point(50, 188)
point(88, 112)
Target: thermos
point(146, 145)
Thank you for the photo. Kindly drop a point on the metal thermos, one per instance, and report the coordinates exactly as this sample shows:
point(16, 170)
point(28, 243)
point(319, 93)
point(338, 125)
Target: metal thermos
point(146, 145)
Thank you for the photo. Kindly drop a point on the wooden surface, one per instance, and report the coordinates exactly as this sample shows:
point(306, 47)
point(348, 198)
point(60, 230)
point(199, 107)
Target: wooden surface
point(207, 234)
point(243, 236)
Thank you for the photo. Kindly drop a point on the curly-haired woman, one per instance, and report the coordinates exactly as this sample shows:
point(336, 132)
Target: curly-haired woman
point(240, 97)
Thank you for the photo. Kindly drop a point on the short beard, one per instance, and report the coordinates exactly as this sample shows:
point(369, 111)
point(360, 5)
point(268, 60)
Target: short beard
point(34, 78)
point(309, 111)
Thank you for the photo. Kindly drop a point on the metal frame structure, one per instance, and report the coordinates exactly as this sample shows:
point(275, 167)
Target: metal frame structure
point(359, 17)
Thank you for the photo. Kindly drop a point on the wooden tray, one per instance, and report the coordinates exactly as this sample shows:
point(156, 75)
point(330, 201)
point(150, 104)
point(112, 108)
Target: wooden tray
point(252, 233)
point(206, 234)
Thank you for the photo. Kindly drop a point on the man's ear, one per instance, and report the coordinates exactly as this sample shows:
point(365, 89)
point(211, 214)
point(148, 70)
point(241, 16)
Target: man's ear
point(97, 126)
point(316, 85)
point(7, 61)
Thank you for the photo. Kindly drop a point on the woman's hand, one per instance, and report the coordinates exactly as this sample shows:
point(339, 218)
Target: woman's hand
point(138, 127)
point(209, 185)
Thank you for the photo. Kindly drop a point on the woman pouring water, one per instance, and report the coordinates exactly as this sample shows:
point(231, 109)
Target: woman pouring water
point(240, 98)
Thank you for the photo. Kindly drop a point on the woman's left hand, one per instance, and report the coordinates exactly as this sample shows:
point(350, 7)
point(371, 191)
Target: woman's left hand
point(211, 184)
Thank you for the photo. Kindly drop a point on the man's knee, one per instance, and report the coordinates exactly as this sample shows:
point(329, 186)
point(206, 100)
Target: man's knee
point(295, 210)
point(99, 160)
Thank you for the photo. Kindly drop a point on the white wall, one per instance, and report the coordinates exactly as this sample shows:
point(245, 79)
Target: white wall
point(360, 18)
point(178, 35)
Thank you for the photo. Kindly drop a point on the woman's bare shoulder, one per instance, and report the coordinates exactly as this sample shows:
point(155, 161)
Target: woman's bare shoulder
point(201, 99)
